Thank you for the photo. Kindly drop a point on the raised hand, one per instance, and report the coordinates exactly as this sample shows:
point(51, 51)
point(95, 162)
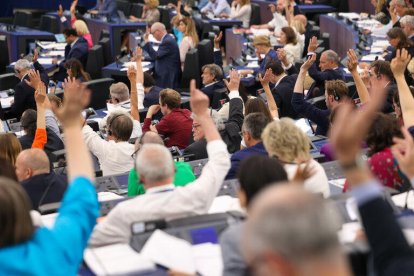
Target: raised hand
point(281, 55)
point(217, 39)
point(308, 63)
point(77, 98)
point(137, 57)
point(60, 11)
point(40, 94)
point(132, 73)
point(403, 151)
point(266, 78)
point(304, 171)
point(234, 82)
point(400, 62)
point(34, 79)
point(313, 44)
point(146, 35)
point(153, 109)
point(199, 101)
point(73, 6)
point(352, 61)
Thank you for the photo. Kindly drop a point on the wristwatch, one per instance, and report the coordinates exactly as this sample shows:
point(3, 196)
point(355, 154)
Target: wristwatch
point(359, 162)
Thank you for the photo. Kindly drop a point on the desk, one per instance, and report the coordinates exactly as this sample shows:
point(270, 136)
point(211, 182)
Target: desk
point(313, 9)
point(342, 36)
point(265, 13)
point(225, 23)
point(115, 29)
point(18, 39)
point(234, 45)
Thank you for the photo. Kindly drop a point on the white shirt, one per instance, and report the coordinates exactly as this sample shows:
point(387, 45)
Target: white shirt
point(278, 22)
point(193, 199)
point(113, 157)
point(218, 7)
point(318, 183)
point(293, 52)
point(242, 13)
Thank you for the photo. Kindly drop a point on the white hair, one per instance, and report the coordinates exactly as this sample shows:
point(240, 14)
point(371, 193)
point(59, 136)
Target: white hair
point(155, 162)
point(22, 64)
point(408, 20)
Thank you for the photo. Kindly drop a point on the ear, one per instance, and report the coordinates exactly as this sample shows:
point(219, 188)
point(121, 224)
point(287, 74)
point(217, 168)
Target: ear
point(29, 173)
point(142, 180)
point(247, 136)
point(278, 264)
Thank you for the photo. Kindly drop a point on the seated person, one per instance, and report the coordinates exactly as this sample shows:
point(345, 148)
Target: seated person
point(119, 97)
point(162, 200)
point(152, 92)
point(336, 90)
point(74, 69)
point(212, 79)
point(407, 25)
point(77, 48)
point(216, 7)
point(278, 22)
point(380, 75)
point(150, 13)
point(114, 154)
point(190, 38)
point(240, 10)
point(29, 125)
point(106, 7)
point(60, 247)
point(229, 130)
point(283, 90)
point(183, 171)
point(175, 125)
point(290, 44)
point(317, 251)
point(290, 145)
point(40, 183)
point(262, 45)
point(253, 126)
point(10, 147)
point(167, 66)
point(23, 92)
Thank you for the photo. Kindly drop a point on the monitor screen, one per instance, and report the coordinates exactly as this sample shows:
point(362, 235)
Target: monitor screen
point(204, 235)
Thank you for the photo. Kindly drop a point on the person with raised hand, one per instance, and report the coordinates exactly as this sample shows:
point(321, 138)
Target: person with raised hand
point(359, 83)
point(403, 151)
point(59, 248)
point(392, 254)
point(336, 90)
point(163, 200)
point(398, 67)
point(270, 100)
point(40, 138)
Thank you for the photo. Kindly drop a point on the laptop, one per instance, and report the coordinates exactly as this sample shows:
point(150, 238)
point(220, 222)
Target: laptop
point(60, 38)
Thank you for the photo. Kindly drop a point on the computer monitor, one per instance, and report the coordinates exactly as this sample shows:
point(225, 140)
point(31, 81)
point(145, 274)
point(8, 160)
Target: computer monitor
point(60, 38)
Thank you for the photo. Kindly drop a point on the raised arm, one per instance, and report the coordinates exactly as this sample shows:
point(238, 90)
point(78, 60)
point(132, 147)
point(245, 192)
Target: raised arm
point(132, 76)
point(270, 99)
point(40, 138)
point(359, 83)
point(218, 60)
point(398, 67)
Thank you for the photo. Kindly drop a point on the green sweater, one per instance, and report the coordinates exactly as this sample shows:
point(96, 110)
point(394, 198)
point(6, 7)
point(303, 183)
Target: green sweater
point(183, 175)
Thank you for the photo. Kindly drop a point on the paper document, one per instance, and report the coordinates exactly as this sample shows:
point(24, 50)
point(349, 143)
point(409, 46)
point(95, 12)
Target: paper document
point(6, 102)
point(117, 259)
point(54, 54)
point(370, 57)
point(106, 196)
point(257, 32)
point(401, 199)
point(45, 60)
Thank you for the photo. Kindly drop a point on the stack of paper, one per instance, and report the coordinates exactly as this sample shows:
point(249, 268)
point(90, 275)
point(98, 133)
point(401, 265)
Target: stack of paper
point(179, 255)
point(117, 259)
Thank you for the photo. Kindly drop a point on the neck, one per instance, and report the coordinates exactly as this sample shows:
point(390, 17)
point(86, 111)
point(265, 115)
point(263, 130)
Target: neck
point(277, 78)
point(40, 172)
point(154, 184)
point(253, 143)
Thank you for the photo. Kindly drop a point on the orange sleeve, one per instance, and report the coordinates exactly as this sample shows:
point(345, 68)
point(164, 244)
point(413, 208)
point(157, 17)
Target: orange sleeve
point(40, 139)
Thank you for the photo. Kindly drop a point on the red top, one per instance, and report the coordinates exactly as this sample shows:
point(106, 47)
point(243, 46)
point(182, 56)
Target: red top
point(40, 139)
point(175, 127)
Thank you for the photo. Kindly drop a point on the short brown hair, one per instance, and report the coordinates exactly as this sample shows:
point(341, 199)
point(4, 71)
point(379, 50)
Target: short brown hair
point(382, 67)
point(171, 98)
point(15, 222)
point(336, 88)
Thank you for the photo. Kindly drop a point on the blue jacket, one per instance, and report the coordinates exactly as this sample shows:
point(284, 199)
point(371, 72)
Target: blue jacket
point(79, 51)
point(209, 90)
point(320, 78)
point(152, 97)
point(167, 62)
point(59, 250)
point(108, 7)
point(319, 116)
point(240, 155)
point(270, 56)
point(283, 96)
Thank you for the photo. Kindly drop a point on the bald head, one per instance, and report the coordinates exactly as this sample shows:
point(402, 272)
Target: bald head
point(31, 162)
point(151, 137)
point(294, 226)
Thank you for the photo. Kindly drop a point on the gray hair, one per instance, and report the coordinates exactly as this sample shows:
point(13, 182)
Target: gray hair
point(218, 120)
point(331, 55)
point(119, 91)
point(215, 70)
point(158, 26)
point(400, 3)
point(255, 123)
point(155, 162)
point(301, 227)
point(408, 20)
point(22, 64)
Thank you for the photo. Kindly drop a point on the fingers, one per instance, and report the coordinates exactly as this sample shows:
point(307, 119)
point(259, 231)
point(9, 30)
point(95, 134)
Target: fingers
point(192, 88)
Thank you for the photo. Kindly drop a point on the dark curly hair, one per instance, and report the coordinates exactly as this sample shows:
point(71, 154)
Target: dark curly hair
point(383, 129)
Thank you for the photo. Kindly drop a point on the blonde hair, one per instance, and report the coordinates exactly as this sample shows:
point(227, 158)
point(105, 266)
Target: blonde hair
point(152, 4)
point(298, 26)
point(286, 141)
point(190, 29)
point(244, 2)
point(80, 27)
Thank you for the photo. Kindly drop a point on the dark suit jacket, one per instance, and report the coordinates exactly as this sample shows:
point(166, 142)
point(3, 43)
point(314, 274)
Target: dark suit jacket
point(283, 96)
point(24, 94)
point(209, 90)
point(167, 62)
point(54, 143)
point(388, 106)
point(240, 155)
point(391, 252)
point(109, 7)
point(230, 133)
point(152, 97)
point(320, 78)
point(79, 51)
point(36, 188)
